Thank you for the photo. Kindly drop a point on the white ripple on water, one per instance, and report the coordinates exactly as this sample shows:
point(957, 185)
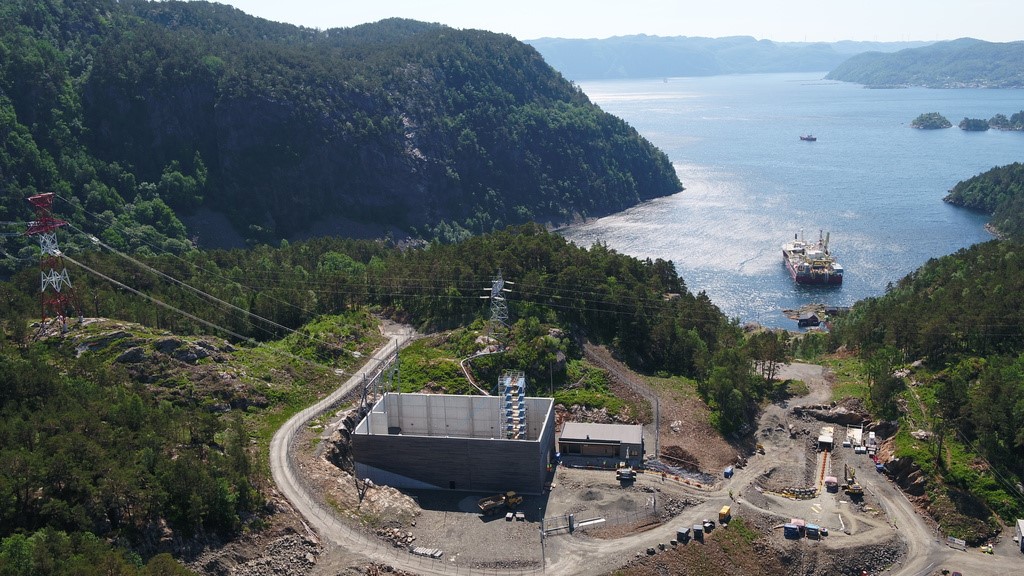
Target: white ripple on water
point(870, 180)
point(715, 224)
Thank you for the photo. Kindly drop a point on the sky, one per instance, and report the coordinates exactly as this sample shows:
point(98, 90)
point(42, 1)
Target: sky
point(778, 20)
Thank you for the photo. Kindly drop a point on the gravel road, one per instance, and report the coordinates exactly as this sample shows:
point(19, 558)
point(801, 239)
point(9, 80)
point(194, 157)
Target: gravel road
point(474, 545)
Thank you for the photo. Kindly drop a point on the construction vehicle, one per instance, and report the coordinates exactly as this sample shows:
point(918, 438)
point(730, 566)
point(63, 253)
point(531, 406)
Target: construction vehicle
point(625, 475)
point(724, 515)
point(491, 504)
point(852, 487)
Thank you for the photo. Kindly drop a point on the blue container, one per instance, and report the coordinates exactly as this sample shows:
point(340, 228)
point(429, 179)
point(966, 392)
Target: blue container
point(728, 471)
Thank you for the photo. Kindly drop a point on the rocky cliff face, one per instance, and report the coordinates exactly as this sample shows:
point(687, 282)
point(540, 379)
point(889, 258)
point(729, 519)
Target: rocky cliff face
point(405, 124)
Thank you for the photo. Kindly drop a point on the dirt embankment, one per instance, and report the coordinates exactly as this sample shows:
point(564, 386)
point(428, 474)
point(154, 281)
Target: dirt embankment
point(685, 433)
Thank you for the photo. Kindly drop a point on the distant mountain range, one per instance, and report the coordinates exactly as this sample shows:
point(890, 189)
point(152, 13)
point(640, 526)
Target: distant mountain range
point(954, 64)
point(643, 56)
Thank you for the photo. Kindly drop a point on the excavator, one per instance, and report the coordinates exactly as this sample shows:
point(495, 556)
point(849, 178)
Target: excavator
point(852, 487)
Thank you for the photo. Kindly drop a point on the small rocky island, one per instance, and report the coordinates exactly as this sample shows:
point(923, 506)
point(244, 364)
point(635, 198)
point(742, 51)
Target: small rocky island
point(973, 124)
point(934, 121)
point(931, 121)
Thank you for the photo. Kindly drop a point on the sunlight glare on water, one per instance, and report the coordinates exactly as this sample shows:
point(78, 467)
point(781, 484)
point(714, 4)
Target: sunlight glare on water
point(870, 180)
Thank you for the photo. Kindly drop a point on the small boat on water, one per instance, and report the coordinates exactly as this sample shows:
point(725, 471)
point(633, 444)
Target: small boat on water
point(808, 137)
point(811, 262)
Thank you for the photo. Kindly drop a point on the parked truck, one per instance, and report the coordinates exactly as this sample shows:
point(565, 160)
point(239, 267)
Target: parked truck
point(491, 504)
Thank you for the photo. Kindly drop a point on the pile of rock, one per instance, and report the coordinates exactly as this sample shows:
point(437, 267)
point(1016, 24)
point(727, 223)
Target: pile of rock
point(397, 537)
point(382, 569)
point(291, 555)
point(671, 507)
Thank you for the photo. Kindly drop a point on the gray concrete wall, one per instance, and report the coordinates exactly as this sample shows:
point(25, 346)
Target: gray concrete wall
point(456, 463)
point(460, 463)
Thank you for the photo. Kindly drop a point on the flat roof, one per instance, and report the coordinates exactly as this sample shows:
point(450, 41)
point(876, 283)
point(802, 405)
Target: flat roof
point(623, 433)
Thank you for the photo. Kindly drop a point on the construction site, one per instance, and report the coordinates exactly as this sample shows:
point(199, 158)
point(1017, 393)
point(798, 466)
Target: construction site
point(816, 506)
point(448, 442)
point(510, 483)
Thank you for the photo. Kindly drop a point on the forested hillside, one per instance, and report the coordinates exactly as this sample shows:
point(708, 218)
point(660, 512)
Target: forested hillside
point(999, 192)
point(955, 64)
point(135, 110)
point(962, 316)
point(959, 320)
point(140, 436)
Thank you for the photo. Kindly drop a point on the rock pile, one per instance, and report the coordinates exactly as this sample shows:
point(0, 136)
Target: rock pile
point(291, 555)
point(907, 475)
point(397, 537)
point(383, 569)
point(672, 507)
point(846, 413)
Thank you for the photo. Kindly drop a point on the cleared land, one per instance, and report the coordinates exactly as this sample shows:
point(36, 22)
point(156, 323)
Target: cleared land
point(628, 529)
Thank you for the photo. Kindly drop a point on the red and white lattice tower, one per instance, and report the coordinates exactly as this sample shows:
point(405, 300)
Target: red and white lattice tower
point(56, 294)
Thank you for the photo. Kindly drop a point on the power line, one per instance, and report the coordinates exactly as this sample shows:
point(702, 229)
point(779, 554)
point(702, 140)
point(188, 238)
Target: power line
point(1006, 483)
point(191, 316)
point(470, 284)
point(158, 302)
point(206, 295)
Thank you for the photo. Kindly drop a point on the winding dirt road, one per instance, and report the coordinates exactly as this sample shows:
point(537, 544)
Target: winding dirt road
point(575, 556)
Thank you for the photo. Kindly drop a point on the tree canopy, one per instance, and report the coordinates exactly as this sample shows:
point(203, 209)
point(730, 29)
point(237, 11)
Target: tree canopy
point(401, 125)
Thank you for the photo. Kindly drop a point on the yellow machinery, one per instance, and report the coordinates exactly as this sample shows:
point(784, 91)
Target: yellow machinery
point(852, 488)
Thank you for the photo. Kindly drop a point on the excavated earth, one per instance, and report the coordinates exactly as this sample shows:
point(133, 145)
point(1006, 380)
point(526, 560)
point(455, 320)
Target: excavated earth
point(450, 522)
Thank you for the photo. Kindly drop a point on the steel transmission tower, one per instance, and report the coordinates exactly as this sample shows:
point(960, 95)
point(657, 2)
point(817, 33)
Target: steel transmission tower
point(56, 294)
point(498, 328)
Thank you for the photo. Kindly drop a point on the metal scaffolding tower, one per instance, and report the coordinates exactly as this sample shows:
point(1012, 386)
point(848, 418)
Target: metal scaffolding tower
point(512, 385)
point(497, 327)
point(60, 299)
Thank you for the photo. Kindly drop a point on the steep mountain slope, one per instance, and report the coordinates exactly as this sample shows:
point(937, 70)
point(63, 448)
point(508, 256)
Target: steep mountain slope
point(401, 124)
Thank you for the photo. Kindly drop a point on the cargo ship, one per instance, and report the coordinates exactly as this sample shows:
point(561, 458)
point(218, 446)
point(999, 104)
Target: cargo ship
point(811, 262)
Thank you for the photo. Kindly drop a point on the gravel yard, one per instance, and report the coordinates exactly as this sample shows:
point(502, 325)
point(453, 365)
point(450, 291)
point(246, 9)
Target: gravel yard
point(630, 518)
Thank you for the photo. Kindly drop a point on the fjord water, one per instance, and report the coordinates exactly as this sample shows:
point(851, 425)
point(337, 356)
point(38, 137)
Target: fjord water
point(750, 183)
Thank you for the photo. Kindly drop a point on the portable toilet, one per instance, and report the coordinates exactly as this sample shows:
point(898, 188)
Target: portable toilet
point(728, 471)
point(812, 531)
point(790, 530)
point(698, 532)
point(683, 535)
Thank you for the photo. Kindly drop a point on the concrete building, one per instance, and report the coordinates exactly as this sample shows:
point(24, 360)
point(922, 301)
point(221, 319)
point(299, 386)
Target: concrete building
point(451, 442)
point(826, 438)
point(1020, 534)
point(602, 444)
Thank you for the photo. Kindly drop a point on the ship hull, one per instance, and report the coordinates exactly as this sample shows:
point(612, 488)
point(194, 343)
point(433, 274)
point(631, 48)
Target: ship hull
point(816, 277)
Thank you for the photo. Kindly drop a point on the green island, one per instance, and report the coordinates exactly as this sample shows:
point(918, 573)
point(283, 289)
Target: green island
point(934, 121)
point(931, 121)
